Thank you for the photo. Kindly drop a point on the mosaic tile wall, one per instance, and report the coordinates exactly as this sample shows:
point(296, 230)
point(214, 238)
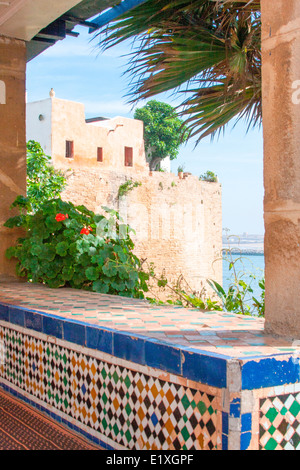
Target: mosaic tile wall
point(279, 423)
point(123, 407)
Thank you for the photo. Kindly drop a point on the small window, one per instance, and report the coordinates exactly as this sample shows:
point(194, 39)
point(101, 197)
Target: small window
point(99, 154)
point(128, 156)
point(69, 149)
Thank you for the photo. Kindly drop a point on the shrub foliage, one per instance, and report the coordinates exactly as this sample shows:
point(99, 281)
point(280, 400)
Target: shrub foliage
point(71, 246)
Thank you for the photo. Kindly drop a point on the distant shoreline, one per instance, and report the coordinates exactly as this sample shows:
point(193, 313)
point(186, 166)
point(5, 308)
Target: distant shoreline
point(245, 244)
point(240, 251)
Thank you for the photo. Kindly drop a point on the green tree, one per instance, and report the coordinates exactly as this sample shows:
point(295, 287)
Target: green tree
point(44, 182)
point(209, 176)
point(162, 131)
point(209, 51)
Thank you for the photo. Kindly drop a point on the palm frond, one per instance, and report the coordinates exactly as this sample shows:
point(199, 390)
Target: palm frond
point(210, 47)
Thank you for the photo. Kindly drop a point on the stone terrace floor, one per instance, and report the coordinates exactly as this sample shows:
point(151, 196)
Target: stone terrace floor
point(222, 333)
point(24, 428)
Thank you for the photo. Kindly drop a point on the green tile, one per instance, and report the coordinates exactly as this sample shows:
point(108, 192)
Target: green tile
point(116, 429)
point(115, 377)
point(283, 411)
point(271, 444)
point(127, 381)
point(128, 409)
point(128, 435)
point(104, 398)
point(271, 430)
point(185, 402)
point(201, 407)
point(104, 423)
point(271, 414)
point(295, 408)
point(185, 434)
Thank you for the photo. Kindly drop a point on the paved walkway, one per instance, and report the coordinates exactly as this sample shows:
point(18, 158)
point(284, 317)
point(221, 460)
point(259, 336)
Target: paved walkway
point(24, 428)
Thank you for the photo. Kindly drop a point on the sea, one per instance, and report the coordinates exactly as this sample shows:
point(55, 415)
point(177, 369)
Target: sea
point(246, 266)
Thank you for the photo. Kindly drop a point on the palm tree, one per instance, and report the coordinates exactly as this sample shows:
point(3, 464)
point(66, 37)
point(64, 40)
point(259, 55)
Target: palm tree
point(207, 51)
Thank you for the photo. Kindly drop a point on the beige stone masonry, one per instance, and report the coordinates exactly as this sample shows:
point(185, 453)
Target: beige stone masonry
point(178, 222)
point(12, 139)
point(281, 122)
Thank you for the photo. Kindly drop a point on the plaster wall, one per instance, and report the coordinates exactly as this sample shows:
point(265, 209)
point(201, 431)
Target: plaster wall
point(113, 135)
point(12, 140)
point(39, 123)
point(281, 118)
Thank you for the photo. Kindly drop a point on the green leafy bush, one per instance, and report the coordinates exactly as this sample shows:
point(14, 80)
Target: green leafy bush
point(67, 245)
point(44, 182)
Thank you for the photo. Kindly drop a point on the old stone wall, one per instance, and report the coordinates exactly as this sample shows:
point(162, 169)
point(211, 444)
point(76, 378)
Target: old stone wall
point(178, 222)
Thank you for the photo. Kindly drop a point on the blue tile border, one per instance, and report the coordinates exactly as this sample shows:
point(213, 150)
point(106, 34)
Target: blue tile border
point(4, 315)
point(204, 367)
point(16, 316)
point(245, 440)
point(187, 362)
point(270, 372)
point(53, 326)
point(246, 422)
point(74, 333)
point(235, 408)
point(163, 356)
point(100, 340)
point(128, 347)
point(33, 321)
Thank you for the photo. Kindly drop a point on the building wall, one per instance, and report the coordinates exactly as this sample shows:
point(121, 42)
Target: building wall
point(53, 121)
point(39, 123)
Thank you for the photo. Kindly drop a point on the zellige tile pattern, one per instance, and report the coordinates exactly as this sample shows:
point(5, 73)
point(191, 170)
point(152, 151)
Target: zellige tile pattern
point(127, 407)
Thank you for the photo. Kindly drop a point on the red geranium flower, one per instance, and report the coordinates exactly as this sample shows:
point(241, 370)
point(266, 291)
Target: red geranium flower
point(85, 231)
point(61, 217)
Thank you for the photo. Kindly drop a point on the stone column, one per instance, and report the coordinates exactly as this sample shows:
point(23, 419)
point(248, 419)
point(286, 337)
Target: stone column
point(281, 126)
point(12, 139)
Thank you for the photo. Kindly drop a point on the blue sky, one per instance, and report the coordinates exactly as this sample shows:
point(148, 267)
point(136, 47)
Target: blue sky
point(78, 71)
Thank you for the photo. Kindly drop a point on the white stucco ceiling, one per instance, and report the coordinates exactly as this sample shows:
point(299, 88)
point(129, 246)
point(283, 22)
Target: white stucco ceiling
point(23, 19)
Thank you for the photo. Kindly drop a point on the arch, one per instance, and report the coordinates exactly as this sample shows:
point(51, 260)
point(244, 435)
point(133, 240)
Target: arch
point(2, 92)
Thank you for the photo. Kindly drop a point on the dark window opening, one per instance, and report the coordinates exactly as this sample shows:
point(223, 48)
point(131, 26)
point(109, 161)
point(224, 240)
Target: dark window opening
point(69, 149)
point(128, 156)
point(99, 154)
